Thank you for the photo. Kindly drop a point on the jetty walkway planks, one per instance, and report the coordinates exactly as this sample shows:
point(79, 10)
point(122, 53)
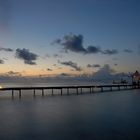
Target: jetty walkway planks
point(101, 88)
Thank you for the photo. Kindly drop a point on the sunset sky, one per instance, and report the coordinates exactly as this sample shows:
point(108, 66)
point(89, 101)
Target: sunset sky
point(51, 37)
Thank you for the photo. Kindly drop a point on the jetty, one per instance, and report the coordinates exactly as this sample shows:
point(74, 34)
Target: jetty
point(77, 88)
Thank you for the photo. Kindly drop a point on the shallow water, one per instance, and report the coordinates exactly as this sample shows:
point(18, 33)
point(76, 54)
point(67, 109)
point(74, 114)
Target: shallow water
point(108, 115)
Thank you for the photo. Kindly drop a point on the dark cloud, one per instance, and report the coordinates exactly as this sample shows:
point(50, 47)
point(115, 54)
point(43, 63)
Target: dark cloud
point(57, 56)
point(74, 43)
point(93, 49)
point(58, 67)
point(27, 56)
point(96, 65)
point(57, 41)
point(54, 55)
point(12, 73)
point(93, 66)
point(105, 72)
point(49, 69)
point(6, 49)
point(110, 52)
point(10, 76)
point(71, 64)
point(1, 61)
point(128, 51)
point(89, 66)
point(64, 75)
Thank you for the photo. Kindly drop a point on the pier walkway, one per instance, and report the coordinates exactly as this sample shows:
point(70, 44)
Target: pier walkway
point(78, 89)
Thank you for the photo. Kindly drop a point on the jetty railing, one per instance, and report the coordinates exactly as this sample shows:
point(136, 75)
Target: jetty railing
point(78, 88)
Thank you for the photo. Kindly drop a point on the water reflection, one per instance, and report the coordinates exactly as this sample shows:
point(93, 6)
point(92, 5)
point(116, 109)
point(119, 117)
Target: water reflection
point(93, 116)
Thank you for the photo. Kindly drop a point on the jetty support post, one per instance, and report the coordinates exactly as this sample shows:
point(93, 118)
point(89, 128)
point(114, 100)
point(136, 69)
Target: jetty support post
point(119, 87)
point(52, 91)
point(67, 91)
point(110, 88)
point(125, 87)
point(81, 90)
point(61, 91)
point(77, 90)
point(42, 92)
point(102, 89)
point(20, 93)
point(34, 92)
point(12, 93)
point(90, 89)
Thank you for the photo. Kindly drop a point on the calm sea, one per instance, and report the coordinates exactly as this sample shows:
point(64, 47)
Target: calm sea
point(98, 116)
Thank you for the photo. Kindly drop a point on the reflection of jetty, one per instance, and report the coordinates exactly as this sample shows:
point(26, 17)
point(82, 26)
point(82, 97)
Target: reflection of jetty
point(66, 89)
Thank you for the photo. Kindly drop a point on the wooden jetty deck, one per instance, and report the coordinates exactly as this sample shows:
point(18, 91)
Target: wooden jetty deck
point(78, 89)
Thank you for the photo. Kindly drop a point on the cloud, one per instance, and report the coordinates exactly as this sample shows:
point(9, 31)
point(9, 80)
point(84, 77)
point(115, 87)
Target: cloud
point(57, 41)
point(49, 69)
point(93, 49)
point(128, 51)
point(93, 66)
point(71, 64)
point(54, 55)
point(110, 52)
point(27, 56)
point(104, 73)
point(1, 61)
point(58, 67)
point(64, 75)
point(6, 49)
point(12, 73)
point(74, 43)
point(57, 56)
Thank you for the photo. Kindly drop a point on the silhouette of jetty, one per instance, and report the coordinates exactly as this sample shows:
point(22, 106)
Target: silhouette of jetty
point(79, 89)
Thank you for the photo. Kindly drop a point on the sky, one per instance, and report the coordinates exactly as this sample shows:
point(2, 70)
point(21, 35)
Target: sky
point(69, 37)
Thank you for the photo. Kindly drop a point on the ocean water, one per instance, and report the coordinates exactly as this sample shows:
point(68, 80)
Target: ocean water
point(109, 115)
